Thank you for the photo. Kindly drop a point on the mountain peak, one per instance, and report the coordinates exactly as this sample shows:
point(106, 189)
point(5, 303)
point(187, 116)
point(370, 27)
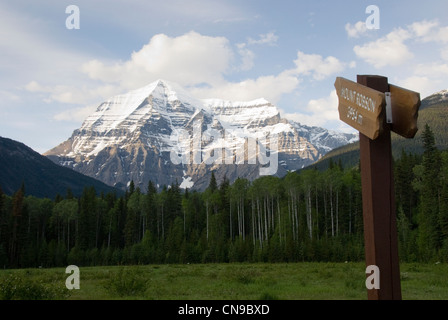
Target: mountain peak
point(164, 85)
point(132, 136)
point(436, 99)
point(137, 105)
point(171, 91)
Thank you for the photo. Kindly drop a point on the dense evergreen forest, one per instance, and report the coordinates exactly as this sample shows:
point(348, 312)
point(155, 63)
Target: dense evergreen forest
point(308, 216)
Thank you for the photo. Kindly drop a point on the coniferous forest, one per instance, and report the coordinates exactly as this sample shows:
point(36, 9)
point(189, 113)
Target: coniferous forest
point(309, 215)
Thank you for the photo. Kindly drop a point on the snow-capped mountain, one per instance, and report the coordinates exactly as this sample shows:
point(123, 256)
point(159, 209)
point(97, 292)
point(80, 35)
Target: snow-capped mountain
point(161, 133)
point(322, 139)
point(438, 98)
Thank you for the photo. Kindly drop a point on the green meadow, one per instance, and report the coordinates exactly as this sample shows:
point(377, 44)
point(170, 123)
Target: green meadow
point(260, 281)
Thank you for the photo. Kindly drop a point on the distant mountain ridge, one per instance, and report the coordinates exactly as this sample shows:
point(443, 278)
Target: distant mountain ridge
point(40, 176)
point(135, 136)
point(433, 111)
point(438, 99)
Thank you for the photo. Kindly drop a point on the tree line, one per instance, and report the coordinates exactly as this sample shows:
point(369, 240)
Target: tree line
point(309, 215)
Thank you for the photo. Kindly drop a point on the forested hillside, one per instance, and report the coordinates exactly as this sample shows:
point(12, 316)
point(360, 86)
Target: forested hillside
point(308, 216)
point(21, 165)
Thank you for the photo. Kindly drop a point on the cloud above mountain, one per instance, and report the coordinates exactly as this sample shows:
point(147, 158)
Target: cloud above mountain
point(198, 62)
point(189, 60)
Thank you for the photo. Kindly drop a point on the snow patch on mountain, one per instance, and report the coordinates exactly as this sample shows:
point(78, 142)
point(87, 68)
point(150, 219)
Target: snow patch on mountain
point(186, 182)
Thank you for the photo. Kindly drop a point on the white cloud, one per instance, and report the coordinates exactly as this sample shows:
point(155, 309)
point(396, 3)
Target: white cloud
point(9, 96)
point(429, 31)
point(268, 87)
point(80, 95)
point(392, 49)
point(400, 46)
point(33, 86)
point(197, 62)
point(440, 36)
point(433, 70)
point(423, 28)
point(58, 93)
point(444, 53)
point(422, 84)
point(265, 39)
point(356, 30)
point(66, 98)
point(316, 66)
point(75, 114)
point(247, 57)
point(325, 108)
point(386, 51)
point(189, 59)
point(352, 64)
point(318, 112)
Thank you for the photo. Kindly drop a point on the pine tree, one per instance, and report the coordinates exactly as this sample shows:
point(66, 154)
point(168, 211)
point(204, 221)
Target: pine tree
point(17, 215)
point(429, 239)
point(3, 230)
point(443, 210)
point(173, 202)
point(131, 187)
point(131, 229)
point(213, 185)
point(87, 210)
point(69, 194)
point(404, 176)
point(150, 208)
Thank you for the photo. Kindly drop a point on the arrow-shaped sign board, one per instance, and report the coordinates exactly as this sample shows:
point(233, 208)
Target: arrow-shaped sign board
point(405, 105)
point(361, 107)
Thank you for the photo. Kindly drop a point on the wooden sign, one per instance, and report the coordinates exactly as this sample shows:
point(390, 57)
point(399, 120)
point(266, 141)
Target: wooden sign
point(375, 108)
point(378, 203)
point(405, 105)
point(360, 107)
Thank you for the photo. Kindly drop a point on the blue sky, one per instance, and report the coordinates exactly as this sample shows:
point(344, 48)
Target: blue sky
point(289, 52)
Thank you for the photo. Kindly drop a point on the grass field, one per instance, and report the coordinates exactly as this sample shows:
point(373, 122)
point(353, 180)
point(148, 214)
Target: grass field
point(294, 281)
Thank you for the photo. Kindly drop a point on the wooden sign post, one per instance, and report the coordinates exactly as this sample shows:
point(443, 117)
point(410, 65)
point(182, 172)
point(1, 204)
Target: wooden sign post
point(361, 107)
point(380, 227)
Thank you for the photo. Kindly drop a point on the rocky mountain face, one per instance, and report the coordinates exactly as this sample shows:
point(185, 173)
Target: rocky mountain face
point(161, 133)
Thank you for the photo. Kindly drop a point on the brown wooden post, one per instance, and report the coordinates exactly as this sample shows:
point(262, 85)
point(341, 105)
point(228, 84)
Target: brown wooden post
point(380, 227)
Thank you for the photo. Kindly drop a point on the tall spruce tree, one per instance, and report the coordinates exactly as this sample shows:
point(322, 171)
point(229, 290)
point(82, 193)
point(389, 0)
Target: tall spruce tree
point(213, 185)
point(429, 238)
point(150, 208)
point(18, 216)
point(87, 209)
point(443, 210)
